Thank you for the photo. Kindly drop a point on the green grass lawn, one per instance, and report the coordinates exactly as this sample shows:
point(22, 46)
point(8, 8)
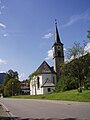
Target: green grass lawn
point(72, 95)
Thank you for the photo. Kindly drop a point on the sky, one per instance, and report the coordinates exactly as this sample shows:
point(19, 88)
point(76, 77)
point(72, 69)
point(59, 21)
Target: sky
point(27, 31)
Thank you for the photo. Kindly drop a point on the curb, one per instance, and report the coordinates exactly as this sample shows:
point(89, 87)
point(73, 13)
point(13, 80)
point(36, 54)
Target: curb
point(9, 114)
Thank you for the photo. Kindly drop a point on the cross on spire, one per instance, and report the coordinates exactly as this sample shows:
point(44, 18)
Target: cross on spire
point(56, 22)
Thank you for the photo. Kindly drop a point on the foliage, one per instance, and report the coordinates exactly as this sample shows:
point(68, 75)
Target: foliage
point(32, 75)
point(8, 88)
point(87, 83)
point(88, 36)
point(76, 71)
point(65, 83)
point(78, 67)
point(10, 75)
point(1, 88)
point(11, 83)
point(76, 50)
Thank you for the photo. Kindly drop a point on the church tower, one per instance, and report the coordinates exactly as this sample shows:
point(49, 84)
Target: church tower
point(58, 53)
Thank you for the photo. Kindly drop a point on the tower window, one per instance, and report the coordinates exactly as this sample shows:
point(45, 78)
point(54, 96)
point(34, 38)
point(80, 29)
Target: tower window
point(59, 54)
point(38, 82)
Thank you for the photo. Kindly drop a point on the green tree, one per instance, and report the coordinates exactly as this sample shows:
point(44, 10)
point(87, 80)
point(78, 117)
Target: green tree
point(88, 36)
point(6, 79)
point(11, 83)
point(10, 75)
point(8, 88)
point(32, 75)
point(78, 67)
point(1, 88)
point(65, 83)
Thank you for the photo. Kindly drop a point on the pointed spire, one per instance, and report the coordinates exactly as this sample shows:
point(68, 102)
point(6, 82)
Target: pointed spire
point(57, 38)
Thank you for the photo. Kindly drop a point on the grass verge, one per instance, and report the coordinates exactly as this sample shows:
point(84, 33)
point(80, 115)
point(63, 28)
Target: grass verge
point(72, 95)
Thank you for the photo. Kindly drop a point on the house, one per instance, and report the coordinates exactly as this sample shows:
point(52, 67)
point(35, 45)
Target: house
point(25, 88)
point(46, 77)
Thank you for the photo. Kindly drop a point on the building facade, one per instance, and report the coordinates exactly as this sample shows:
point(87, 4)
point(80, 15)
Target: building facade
point(45, 80)
point(46, 77)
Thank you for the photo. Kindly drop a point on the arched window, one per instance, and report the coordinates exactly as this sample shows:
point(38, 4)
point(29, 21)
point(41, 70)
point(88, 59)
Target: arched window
point(38, 82)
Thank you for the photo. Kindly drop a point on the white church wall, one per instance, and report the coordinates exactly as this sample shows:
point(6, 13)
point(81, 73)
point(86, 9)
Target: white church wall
point(53, 78)
point(45, 77)
point(39, 90)
point(42, 79)
point(34, 88)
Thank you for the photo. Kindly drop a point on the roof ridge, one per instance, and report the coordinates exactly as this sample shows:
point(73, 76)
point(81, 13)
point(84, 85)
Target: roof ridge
point(44, 68)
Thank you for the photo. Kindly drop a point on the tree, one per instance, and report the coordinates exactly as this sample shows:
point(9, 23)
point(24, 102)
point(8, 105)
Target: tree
point(10, 75)
point(11, 83)
point(65, 83)
point(1, 88)
point(32, 75)
point(8, 88)
point(78, 67)
point(88, 36)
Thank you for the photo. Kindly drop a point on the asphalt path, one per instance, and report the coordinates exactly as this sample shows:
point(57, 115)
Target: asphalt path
point(45, 109)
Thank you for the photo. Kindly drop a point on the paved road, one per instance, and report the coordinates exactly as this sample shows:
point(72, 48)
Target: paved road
point(26, 108)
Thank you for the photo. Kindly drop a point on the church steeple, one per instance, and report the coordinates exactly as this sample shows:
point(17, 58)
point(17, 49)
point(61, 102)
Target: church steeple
point(57, 37)
point(58, 53)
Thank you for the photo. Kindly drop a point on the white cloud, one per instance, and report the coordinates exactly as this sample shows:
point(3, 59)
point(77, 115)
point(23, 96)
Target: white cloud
point(21, 76)
point(75, 18)
point(5, 35)
point(2, 25)
point(49, 55)
point(64, 49)
point(48, 35)
point(2, 7)
point(2, 72)
point(3, 61)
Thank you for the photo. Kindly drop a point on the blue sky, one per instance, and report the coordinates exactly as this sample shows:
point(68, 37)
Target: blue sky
point(27, 31)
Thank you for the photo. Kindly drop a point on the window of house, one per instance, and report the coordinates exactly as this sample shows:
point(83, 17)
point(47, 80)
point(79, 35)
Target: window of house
point(49, 89)
point(38, 82)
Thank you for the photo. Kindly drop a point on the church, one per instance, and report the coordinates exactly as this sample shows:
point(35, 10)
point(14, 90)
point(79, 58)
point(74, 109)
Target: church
point(46, 77)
